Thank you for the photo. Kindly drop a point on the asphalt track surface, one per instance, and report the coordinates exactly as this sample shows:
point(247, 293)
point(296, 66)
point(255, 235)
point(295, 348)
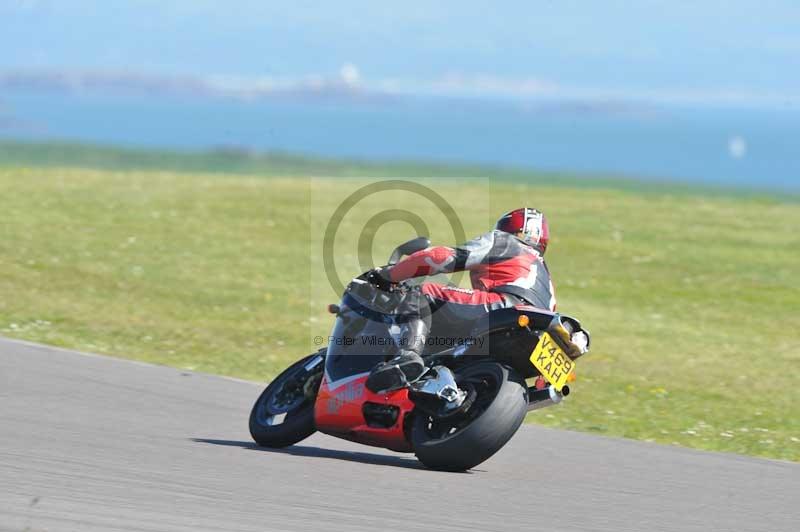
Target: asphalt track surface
point(101, 444)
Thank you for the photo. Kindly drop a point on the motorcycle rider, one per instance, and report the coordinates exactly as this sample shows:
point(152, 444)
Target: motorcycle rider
point(506, 268)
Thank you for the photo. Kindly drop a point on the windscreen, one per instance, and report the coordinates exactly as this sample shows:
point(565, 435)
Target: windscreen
point(360, 339)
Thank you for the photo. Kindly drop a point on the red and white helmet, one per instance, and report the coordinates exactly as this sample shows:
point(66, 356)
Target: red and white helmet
point(531, 223)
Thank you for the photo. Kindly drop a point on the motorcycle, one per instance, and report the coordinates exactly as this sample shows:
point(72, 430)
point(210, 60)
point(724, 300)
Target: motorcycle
point(466, 406)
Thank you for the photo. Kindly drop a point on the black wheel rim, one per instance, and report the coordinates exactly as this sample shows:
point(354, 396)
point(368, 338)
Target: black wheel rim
point(292, 393)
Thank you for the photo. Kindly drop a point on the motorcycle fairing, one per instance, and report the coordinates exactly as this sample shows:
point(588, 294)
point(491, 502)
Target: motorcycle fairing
point(361, 338)
point(340, 412)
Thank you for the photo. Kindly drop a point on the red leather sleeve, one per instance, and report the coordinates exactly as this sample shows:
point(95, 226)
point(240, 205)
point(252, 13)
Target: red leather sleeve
point(426, 262)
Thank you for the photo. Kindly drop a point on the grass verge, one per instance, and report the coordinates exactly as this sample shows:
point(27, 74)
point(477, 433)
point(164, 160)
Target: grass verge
point(692, 300)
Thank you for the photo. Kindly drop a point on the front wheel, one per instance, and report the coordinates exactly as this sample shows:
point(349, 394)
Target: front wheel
point(284, 412)
point(458, 443)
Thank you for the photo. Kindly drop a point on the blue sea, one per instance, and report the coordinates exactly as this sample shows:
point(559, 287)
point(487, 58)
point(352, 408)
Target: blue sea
point(751, 148)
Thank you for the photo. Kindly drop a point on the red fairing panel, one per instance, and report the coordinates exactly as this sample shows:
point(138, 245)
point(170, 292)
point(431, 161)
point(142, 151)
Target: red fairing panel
point(338, 412)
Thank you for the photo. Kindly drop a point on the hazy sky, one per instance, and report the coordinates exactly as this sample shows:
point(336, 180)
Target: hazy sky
point(667, 46)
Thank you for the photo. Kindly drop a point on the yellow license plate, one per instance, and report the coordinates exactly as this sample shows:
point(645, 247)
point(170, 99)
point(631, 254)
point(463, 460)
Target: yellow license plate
point(551, 361)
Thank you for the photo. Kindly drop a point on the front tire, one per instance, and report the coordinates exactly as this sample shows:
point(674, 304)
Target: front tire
point(284, 412)
point(498, 411)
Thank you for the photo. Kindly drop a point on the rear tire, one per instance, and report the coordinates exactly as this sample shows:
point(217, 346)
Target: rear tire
point(284, 412)
point(498, 411)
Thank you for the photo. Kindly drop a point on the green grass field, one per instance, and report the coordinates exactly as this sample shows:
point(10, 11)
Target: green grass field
point(692, 300)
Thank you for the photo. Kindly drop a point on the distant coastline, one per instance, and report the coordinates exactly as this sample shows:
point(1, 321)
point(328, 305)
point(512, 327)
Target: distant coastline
point(133, 83)
point(343, 89)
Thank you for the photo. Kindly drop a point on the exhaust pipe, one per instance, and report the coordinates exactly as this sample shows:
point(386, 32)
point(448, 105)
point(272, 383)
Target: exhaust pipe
point(549, 396)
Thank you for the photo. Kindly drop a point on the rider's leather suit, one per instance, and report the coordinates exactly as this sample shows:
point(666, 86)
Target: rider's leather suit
point(504, 270)
point(498, 263)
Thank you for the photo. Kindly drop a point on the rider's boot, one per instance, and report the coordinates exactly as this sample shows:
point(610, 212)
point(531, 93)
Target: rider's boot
point(407, 366)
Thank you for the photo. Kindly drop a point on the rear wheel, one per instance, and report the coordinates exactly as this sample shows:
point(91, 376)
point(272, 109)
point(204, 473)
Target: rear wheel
point(458, 443)
point(284, 413)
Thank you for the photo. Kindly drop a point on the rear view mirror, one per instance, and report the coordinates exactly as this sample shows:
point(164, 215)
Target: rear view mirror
point(412, 246)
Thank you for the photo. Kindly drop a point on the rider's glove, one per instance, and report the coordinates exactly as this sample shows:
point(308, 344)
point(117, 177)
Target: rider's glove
point(378, 278)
